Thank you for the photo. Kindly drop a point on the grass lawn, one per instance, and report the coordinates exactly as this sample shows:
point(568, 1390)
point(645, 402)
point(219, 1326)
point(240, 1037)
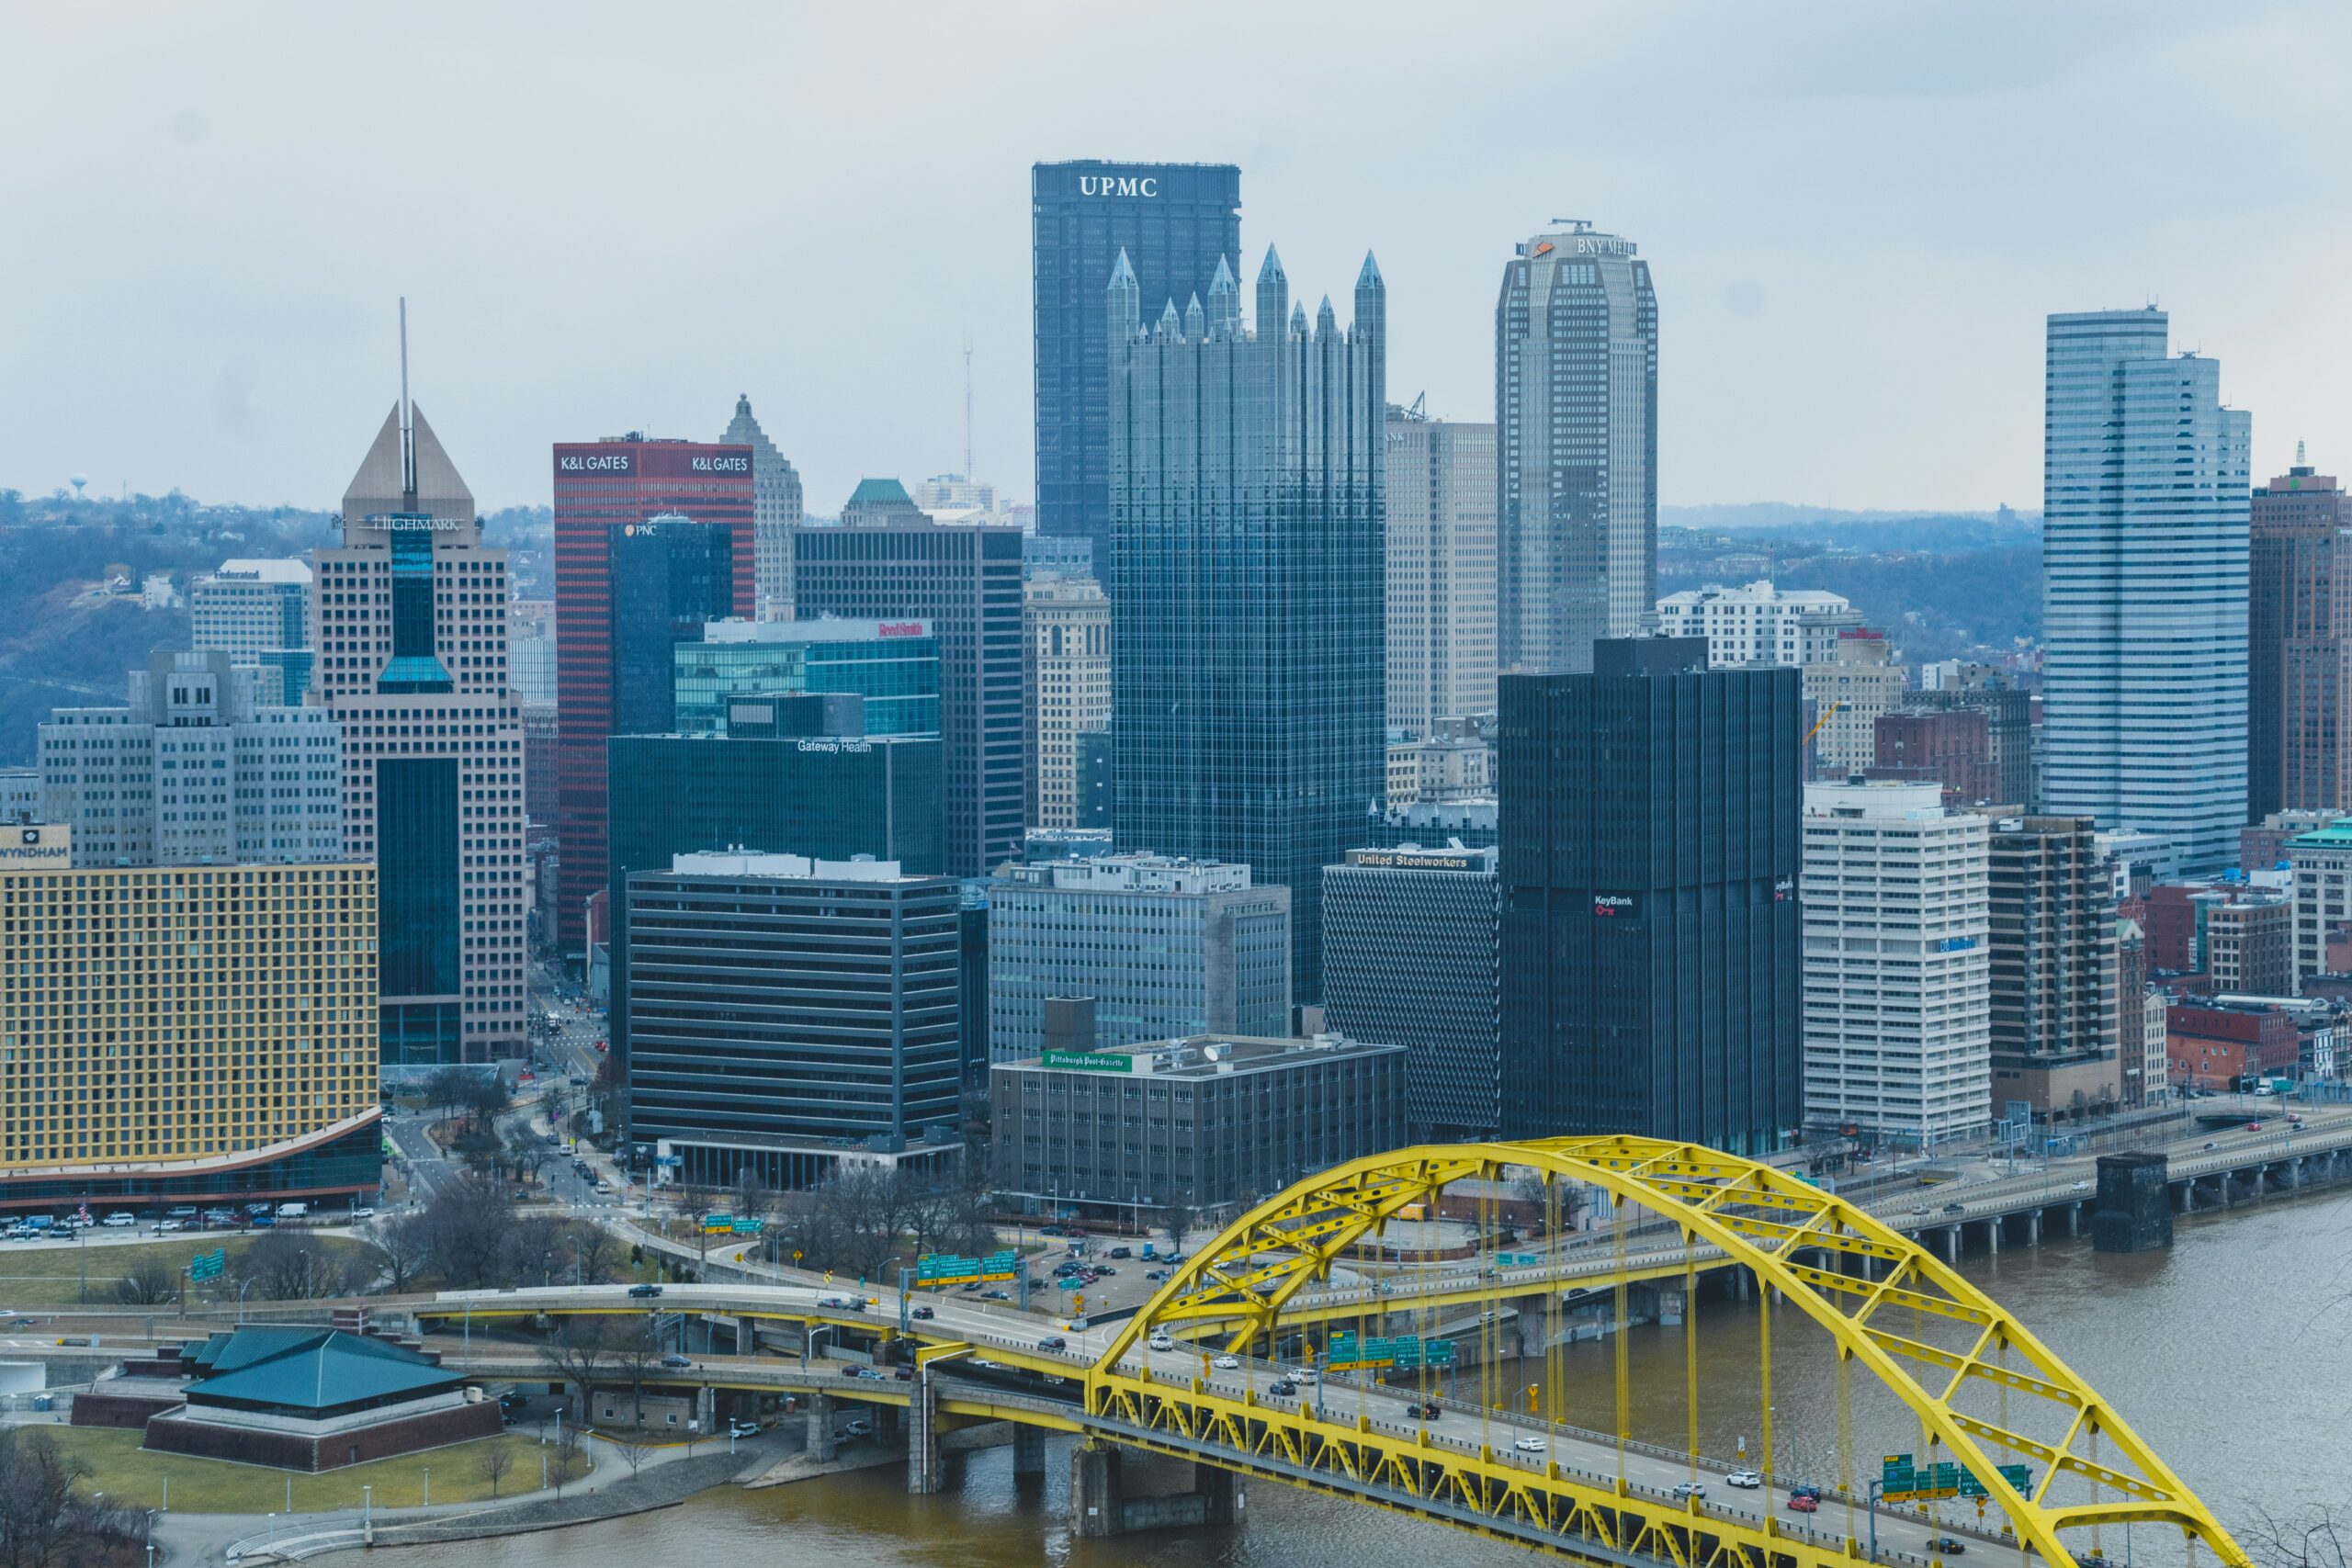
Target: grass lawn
point(45, 1276)
point(123, 1470)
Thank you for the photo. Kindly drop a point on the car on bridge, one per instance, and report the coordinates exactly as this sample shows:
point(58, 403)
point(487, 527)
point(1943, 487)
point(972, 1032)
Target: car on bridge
point(644, 1292)
point(1955, 1208)
point(1429, 1410)
point(1530, 1445)
point(676, 1362)
point(1745, 1480)
point(1228, 1364)
point(2082, 1186)
point(1053, 1342)
point(1161, 1341)
point(1283, 1389)
point(1801, 1504)
point(924, 1313)
point(1690, 1489)
point(1948, 1546)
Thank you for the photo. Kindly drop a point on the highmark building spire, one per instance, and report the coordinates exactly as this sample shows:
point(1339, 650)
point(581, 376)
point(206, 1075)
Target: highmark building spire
point(411, 612)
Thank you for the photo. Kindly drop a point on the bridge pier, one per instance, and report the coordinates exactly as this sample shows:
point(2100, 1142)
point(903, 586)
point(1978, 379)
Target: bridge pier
point(926, 1472)
point(1098, 1508)
point(2034, 1227)
point(1951, 1243)
point(1993, 1235)
point(2134, 1211)
point(819, 1443)
point(2073, 1219)
point(1028, 1449)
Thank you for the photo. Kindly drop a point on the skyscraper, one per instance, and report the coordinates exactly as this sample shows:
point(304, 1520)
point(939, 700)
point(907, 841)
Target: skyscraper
point(1651, 949)
point(1575, 411)
point(1247, 673)
point(1440, 570)
point(2054, 935)
point(411, 628)
point(601, 486)
point(1176, 223)
point(2299, 646)
point(1898, 1023)
point(671, 577)
point(777, 508)
point(2143, 685)
point(1067, 687)
point(966, 581)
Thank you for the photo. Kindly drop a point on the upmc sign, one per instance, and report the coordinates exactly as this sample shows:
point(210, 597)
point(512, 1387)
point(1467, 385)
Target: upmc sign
point(654, 460)
point(1118, 184)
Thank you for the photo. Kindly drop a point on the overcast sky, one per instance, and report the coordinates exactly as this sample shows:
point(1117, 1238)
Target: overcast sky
point(616, 217)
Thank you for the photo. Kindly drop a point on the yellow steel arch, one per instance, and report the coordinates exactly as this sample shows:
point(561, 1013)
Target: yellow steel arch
point(1763, 1220)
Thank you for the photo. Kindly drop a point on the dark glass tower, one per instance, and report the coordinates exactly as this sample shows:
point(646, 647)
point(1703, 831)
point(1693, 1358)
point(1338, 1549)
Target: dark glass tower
point(1652, 950)
point(1176, 223)
point(1248, 582)
point(670, 576)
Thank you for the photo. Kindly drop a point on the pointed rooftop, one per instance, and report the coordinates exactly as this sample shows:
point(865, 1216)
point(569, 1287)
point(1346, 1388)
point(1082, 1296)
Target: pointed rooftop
point(1370, 276)
point(1270, 269)
point(1223, 283)
point(379, 486)
point(1123, 275)
point(1298, 318)
point(1196, 323)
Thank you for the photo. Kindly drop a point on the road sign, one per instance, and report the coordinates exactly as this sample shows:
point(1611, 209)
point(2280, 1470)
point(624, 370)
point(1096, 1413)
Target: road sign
point(1900, 1480)
point(946, 1268)
point(717, 1225)
point(1403, 1351)
point(206, 1265)
point(1516, 1259)
point(745, 1225)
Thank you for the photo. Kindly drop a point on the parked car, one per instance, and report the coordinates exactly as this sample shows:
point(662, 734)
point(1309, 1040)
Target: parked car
point(742, 1429)
point(185, 1212)
point(1530, 1445)
point(121, 1220)
point(905, 1374)
point(1121, 1252)
point(678, 1362)
point(362, 1212)
point(1801, 1504)
point(165, 1228)
point(1690, 1489)
point(1745, 1480)
point(644, 1292)
point(857, 1429)
point(256, 1208)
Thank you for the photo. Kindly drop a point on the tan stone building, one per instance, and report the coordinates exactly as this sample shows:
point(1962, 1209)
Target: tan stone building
point(1066, 671)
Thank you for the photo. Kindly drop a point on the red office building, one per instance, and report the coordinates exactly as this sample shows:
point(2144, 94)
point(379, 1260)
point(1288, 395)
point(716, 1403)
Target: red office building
point(598, 486)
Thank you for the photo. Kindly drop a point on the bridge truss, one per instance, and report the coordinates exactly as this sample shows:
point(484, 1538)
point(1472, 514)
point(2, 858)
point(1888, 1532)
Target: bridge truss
point(1952, 1355)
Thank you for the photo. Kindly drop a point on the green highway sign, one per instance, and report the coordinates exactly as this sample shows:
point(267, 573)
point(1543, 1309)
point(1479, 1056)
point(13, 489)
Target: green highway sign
point(747, 1226)
point(1517, 1259)
point(206, 1265)
point(1901, 1481)
point(1403, 1351)
point(946, 1268)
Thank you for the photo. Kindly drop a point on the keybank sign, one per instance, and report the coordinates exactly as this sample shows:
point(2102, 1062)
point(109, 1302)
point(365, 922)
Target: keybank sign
point(1118, 184)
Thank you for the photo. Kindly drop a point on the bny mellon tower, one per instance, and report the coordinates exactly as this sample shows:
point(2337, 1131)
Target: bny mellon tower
point(1248, 679)
point(410, 614)
point(1576, 427)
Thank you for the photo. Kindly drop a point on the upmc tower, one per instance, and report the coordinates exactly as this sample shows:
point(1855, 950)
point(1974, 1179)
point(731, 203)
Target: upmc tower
point(1175, 221)
point(599, 487)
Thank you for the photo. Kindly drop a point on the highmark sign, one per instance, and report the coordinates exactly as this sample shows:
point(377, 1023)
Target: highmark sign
point(1091, 1061)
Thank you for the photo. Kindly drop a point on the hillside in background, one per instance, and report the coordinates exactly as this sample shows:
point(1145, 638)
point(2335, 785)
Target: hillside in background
point(64, 642)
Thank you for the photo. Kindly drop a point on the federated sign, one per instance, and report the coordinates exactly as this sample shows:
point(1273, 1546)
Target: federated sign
point(1404, 1352)
point(1901, 1481)
point(1092, 1061)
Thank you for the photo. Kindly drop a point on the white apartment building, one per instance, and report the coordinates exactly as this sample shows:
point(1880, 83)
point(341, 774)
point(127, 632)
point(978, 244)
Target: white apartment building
point(1760, 623)
point(1067, 681)
point(2322, 860)
point(1897, 963)
point(196, 769)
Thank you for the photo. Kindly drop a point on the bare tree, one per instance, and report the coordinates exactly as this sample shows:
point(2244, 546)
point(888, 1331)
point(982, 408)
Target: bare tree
point(698, 1201)
point(634, 1441)
point(595, 1252)
point(289, 1267)
point(568, 1459)
point(526, 1155)
point(1176, 1219)
point(465, 1231)
point(2314, 1538)
point(42, 1522)
point(586, 1351)
point(496, 1459)
point(537, 1248)
point(402, 1246)
point(151, 1283)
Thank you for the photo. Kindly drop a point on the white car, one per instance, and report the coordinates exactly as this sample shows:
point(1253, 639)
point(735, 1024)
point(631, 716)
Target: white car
point(165, 1228)
point(1530, 1445)
point(1160, 1341)
point(119, 1220)
point(2082, 1187)
point(1228, 1364)
point(1745, 1480)
point(1306, 1377)
point(1690, 1489)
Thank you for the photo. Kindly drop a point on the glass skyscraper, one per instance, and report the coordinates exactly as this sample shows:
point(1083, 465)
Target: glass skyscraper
point(2144, 519)
point(1576, 416)
point(1652, 938)
point(1176, 223)
point(894, 665)
point(671, 577)
point(1248, 509)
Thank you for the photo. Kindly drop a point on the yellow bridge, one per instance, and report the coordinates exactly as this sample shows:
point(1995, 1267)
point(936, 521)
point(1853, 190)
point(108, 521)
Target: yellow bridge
point(1220, 1368)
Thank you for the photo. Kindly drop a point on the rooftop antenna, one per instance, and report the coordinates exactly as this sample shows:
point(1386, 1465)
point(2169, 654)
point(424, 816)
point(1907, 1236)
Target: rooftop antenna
point(407, 423)
point(967, 407)
point(2299, 453)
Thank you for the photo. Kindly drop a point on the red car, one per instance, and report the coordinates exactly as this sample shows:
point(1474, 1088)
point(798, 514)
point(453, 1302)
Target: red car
point(1801, 1504)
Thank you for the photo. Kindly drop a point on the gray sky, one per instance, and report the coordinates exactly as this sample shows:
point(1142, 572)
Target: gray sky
point(613, 217)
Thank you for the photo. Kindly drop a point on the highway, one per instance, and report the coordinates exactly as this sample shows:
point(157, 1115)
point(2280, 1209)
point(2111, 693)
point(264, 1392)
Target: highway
point(1008, 1338)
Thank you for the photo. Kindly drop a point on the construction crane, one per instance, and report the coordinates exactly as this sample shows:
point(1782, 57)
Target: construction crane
point(1827, 714)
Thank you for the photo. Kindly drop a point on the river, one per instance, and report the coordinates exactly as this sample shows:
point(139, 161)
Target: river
point(2231, 1353)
